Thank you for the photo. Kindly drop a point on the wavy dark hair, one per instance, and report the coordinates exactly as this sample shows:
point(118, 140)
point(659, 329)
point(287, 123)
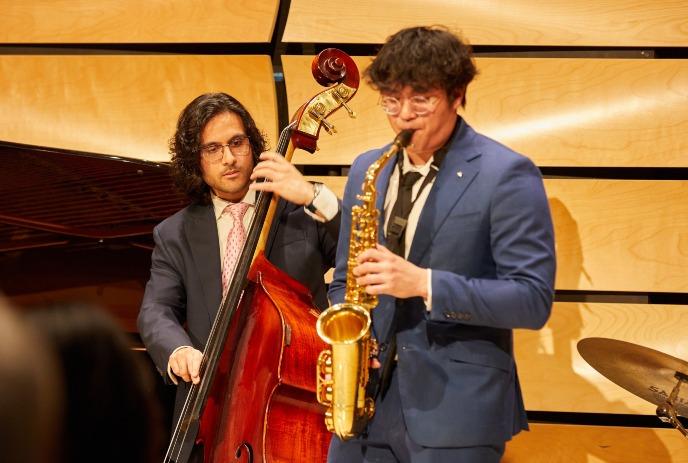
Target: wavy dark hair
point(423, 58)
point(186, 144)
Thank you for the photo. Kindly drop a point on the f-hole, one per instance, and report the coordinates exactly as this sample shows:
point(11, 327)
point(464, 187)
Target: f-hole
point(249, 451)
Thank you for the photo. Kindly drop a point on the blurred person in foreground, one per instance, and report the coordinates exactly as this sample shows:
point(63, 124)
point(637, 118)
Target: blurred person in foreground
point(111, 411)
point(30, 393)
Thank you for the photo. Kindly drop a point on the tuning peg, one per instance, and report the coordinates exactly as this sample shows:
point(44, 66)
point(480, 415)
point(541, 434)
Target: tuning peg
point(352, 114)
point(329, 128)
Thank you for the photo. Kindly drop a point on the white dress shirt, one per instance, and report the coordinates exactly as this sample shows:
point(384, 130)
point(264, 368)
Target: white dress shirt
point(419, 202)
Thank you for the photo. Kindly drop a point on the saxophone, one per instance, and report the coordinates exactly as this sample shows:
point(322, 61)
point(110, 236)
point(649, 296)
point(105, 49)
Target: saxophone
point(342, 370)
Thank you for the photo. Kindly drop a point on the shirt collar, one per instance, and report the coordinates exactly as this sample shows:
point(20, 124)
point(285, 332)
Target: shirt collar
point(407, 166)
point(220, 204)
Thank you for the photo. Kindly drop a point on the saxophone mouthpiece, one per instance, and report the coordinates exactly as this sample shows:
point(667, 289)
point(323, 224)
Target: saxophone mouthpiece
point(404, 138)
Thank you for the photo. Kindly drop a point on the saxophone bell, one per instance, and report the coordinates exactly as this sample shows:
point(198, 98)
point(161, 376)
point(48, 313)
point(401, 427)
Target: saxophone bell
point(341, 381)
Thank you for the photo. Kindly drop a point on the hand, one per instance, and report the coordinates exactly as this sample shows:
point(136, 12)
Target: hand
point(284, 179)
point(383, 272)
point(186, 363)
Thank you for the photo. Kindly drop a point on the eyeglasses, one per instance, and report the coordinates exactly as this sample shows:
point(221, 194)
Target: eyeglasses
point(419, 105)
point(238, 146)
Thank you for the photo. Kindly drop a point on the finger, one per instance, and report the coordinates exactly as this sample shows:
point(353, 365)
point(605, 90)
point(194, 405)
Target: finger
point(368, 267)
point(369, 255)
point(270, 163)
point(384, 254)
point(265, 174)
point(379, 289)
point(183, 371)
point(372, 279)
point(274, 162)
point(263, 186)
point(174, 366)
point(383, 250)
point(195, 366)
point(264, 169)
point(269, 155)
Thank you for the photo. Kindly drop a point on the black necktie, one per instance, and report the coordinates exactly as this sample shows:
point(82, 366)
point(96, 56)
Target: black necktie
point(396, 233)
point(396, 226)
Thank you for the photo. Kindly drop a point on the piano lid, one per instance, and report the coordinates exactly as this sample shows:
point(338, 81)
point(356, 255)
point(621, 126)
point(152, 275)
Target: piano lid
point(62, 208)
point(52, 196)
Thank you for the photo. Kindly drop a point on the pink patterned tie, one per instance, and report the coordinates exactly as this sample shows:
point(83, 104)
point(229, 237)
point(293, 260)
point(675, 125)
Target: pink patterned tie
point(235, 242)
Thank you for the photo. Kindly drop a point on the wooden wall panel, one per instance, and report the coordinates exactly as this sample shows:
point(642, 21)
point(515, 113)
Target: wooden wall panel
point(554, 376)
point(134, 21)
point(558, 111)
point(561, 443)
point(508, 22)
point(620, 235)
point(585, 112)
point(124, 105)
point(615, 235)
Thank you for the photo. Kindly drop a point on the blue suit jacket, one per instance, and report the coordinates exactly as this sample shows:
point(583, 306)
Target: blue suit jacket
point(486, 233)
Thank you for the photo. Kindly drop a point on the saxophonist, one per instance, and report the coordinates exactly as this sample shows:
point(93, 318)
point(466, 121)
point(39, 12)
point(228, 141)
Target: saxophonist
point(466, 254)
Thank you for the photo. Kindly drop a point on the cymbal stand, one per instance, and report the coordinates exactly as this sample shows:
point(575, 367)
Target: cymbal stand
point(667, 412)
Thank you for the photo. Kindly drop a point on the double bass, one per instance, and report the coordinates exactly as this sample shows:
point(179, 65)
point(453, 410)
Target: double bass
point(256, 399)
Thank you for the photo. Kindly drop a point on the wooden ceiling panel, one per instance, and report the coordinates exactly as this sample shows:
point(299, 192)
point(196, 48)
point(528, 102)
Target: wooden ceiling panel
point(507, 22)
point(134, 21)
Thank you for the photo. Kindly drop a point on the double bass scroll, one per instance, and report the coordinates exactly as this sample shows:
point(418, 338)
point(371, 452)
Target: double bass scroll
point(331, 65)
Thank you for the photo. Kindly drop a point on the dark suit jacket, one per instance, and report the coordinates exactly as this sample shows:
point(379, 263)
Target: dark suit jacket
point(185, 283)
point(486, 233)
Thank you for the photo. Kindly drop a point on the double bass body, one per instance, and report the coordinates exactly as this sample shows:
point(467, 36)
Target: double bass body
point(265, 410)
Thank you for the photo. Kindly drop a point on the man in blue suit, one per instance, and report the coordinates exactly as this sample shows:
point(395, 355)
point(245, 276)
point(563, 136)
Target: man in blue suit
point(217, 151)
point(472, 260)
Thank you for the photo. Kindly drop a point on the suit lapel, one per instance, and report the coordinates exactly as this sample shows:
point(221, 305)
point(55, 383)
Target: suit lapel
point(456, 174)
point(201, 234)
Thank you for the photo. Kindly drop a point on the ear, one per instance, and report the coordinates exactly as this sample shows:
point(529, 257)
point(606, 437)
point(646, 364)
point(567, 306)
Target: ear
point(458, 100)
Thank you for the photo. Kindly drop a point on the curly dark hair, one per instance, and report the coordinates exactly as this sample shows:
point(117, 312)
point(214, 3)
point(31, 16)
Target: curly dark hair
point(423, 58)
point(186, 143)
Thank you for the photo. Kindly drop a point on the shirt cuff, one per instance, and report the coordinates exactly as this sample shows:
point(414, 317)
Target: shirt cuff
point(326, 205)
point(172, 376)
point(428, 301)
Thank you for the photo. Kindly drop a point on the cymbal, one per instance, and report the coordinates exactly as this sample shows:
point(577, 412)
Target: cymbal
point(645, 372)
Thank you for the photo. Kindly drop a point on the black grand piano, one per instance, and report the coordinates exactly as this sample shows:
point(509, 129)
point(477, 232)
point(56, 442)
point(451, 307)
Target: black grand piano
point(78, 226)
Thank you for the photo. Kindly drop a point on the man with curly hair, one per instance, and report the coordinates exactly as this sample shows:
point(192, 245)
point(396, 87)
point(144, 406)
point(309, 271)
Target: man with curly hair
point(467, 255)
point(217, 151)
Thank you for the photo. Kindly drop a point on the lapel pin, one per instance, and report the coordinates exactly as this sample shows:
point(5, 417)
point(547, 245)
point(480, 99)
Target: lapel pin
point(459, 174)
